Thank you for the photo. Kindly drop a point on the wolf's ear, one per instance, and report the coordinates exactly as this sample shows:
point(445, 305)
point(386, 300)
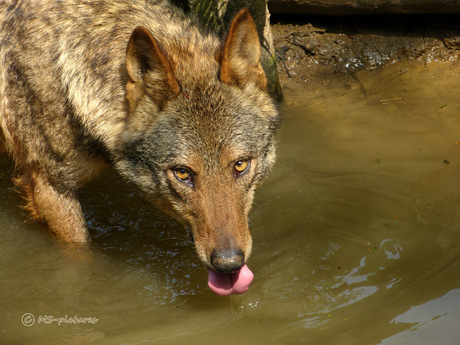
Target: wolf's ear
point(149, 70)
point(240, 55)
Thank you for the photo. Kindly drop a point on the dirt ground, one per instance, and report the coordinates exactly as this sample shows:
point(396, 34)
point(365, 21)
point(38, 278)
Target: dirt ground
point(310, 49)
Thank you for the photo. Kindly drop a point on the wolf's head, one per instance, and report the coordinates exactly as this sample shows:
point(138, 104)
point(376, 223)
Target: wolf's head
point(200, 135)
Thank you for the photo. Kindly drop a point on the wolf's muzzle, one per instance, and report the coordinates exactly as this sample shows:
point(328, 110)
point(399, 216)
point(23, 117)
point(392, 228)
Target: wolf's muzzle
point(227, 261)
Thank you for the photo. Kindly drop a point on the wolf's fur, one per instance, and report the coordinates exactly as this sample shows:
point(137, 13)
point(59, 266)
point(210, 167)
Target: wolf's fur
point(136, 85)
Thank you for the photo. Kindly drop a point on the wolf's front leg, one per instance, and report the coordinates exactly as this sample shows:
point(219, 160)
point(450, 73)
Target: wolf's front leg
point(59, 209)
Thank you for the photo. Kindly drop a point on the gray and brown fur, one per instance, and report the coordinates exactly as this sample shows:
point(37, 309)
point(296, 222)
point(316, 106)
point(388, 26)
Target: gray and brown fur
point(138, 86)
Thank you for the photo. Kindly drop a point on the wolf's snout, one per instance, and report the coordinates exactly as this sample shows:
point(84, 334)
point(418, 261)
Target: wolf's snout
point(227, 261)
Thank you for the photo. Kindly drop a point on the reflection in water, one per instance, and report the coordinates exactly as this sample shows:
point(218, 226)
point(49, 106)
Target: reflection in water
point(356, 236)
point(391, 249)
point(438, 308)
point(433, 322)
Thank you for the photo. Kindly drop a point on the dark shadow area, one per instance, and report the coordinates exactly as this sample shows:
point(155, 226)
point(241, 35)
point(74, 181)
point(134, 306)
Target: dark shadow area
point(428, 25)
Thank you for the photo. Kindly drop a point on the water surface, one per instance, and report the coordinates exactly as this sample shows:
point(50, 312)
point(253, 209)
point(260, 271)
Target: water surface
point(356, 236)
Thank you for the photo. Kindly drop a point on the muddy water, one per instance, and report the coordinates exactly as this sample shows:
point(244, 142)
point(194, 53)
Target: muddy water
point(356, 237)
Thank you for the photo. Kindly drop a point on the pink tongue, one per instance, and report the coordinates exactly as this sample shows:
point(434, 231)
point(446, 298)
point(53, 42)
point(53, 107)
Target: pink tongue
point(225, 284)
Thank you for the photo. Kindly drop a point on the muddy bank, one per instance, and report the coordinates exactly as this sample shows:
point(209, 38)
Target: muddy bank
point(310, 49)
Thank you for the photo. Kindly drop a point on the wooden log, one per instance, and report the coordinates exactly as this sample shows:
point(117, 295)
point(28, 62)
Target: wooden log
point(352, 7)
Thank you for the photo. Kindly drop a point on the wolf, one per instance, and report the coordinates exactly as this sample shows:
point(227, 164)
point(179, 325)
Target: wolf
point(180, 113)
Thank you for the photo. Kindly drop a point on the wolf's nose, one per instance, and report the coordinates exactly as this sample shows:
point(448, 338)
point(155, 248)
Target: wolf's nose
point(227, 261)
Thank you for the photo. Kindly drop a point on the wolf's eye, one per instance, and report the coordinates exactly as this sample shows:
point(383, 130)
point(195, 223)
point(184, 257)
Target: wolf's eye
point(242, 166)
point(183, 175)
